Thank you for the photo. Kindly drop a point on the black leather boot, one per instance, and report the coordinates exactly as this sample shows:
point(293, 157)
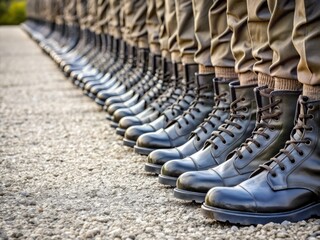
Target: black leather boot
point(177, 133)
point(141, 73)
point(285, 188)
point(274, 123)
point(197, 137)
point(229, 136)
point(186, 86)
point(129, 63)
point(157, 107)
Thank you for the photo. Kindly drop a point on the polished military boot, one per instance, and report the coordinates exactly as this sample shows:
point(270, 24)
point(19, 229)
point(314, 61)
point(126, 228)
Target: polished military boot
point(145, 101)
point(229, 136)
point(113, 89)
point(197, 137)
point(155, 108)
point(285, 188)
point(177, 133)
point(137, 92)
point(142, 72)
point(186, 86)
point(275, 120)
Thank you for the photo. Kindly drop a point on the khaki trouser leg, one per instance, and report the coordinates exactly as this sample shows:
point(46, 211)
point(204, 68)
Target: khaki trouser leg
point(153, 27)
point(237, 16)
point(135, 20)
point(258, 20)
point(186, 37)
point(306, 39)
point(172, 28)
point(285, 57)
point(114, 23)
point(202, 30)
point(221, 55)
point(163, 34)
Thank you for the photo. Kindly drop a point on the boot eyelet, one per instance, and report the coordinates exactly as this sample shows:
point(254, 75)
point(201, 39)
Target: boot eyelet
point(311, 116)
point(301, 153)
point(283, 168)
point(308, 141)
point(243, 99)
point(311, 107)
point(310, 129)
point(293, 161)
point(241, 157)
point(274, 175)
point(243, 117)
point(215, 147)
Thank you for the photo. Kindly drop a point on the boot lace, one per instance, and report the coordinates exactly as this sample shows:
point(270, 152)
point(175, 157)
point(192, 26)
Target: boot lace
point(234, 115)
point(182, 99)
point(194, 106)
point(168, 96)
point(265, 114)
point(213, 115)
point(294, 142)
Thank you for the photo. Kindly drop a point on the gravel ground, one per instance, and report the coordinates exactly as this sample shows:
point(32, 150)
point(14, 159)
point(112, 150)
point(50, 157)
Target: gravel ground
point(64, 174)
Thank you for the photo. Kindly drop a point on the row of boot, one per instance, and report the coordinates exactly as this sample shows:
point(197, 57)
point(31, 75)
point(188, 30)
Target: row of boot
point(249, 153)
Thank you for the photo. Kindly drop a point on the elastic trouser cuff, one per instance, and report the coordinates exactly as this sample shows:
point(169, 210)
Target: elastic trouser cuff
point(313, 92)
point(287, 84)
point(206, 69)
point(265, 79)
point(225, 72)
point(248, 78)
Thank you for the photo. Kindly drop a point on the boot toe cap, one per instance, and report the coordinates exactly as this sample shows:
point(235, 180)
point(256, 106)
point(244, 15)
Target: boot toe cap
point(156, 140)
point(162, 156)
point(175, 168)
point(129, 121)
point(114, 107)
point(196, 181)
point(134, 132)
point(121, 113)
point(231, 198)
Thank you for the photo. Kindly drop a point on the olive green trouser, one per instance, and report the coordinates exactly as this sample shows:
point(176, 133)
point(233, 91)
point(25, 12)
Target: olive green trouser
point(135, 23)
point(186, 38)
point(70, 12)
point(172, 29)
point(163, 33)
point(153, 27)
point(306, 39)
point(237, 17)
point(114, 22)
point(271, 27)
point(103, 7)
point(82, 11)
point(202, 30)
point(220, 52)
point(59, 6)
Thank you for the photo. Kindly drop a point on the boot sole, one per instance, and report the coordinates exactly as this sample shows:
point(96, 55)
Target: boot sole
point(120, 131)
point(129, 143)
point(114, 125)
point(99, 102)
point(248, 218)
point(92, 96)
point(152, 168)
point(109, 117)
point(166, 180)
point(189, 196)
point(142, 150)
